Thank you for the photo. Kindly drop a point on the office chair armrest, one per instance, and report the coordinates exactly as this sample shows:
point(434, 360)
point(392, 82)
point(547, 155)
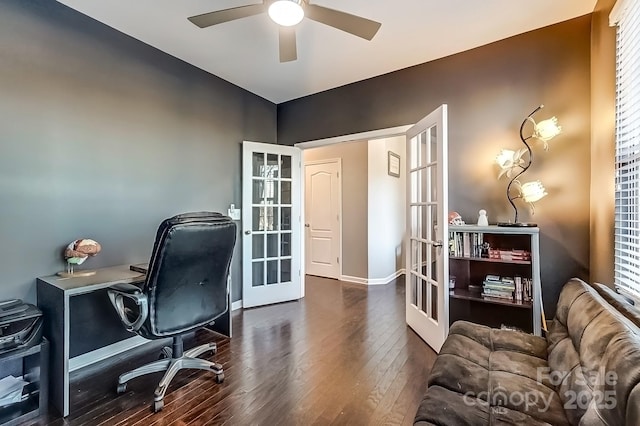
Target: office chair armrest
point(117, 293)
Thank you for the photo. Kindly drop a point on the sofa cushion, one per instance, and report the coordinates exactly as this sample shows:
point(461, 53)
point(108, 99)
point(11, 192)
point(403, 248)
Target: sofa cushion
point(594, 356)
point(490, 377)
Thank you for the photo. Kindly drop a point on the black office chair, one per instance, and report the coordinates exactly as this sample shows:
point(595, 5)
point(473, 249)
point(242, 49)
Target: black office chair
point(186, 288)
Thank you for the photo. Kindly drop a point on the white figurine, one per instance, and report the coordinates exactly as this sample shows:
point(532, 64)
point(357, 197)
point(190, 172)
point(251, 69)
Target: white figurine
point(482, 218)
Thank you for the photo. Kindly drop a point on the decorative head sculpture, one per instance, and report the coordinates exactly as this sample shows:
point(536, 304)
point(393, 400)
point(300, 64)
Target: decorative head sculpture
point(77, 252)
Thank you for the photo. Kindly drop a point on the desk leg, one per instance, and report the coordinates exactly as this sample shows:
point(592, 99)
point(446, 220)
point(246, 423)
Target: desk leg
point(223, 324)
point(54, 306)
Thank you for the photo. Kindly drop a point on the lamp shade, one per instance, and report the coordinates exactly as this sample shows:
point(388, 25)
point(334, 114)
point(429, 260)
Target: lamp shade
point(505, 158)
point(286, 12)
point(547, 129)
point(533, 191)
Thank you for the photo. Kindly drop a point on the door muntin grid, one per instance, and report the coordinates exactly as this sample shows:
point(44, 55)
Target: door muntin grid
point(271, 219)
point(423, 217)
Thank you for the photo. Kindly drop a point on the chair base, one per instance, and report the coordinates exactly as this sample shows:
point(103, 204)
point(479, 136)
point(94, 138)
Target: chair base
point(171, 366)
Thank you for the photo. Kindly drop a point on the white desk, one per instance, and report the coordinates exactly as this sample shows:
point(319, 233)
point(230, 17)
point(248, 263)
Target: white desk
point(56, 299)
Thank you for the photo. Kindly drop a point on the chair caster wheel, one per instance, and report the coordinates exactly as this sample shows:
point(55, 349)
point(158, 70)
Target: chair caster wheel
point(166, 353)
point(157, 406)
point(122, 388)
point(220, 378)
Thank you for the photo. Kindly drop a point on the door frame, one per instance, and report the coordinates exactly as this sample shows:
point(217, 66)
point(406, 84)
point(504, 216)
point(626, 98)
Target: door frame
point(353, 137)
point(304, 201)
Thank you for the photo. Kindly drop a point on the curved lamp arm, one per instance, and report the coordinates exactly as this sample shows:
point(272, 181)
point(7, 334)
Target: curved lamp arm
point(528, 163)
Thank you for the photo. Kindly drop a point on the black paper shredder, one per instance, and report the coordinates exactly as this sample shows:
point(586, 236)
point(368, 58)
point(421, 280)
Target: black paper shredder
point(20, 325)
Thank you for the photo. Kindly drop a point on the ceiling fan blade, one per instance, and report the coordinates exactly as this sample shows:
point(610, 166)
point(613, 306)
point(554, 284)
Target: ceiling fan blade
point(288, 49)
point(352, 24)
point(220, 16)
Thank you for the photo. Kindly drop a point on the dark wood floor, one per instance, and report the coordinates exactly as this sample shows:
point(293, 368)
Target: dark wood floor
point(342, 355)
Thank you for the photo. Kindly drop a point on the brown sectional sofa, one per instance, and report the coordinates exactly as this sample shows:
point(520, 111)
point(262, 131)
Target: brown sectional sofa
point(586, 372)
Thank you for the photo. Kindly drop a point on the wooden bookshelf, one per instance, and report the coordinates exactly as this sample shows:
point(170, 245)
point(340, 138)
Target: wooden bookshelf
point(469, 264)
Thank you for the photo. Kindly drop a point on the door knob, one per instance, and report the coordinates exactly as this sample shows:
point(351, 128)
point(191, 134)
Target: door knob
point(306, 225)
point(437, 243)
point(247, 232)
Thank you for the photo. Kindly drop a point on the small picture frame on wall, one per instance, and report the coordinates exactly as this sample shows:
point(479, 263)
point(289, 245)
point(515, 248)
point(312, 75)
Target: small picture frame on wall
point(393, 165)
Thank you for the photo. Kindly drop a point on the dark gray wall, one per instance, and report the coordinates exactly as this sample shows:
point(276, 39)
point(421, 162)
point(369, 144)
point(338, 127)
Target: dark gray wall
point(102, 136)
point(489, 91)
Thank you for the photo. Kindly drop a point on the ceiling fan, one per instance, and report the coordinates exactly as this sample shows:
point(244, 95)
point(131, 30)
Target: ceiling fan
point(287, 14)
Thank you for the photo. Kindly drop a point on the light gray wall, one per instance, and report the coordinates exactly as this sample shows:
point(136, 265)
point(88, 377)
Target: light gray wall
point(102, 136)
point(489, 91)
point(354, 202)
point(386, 211)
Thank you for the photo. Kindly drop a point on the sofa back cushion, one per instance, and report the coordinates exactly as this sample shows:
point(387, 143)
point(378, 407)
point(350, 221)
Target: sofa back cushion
point(594, 357)
point(622, 305)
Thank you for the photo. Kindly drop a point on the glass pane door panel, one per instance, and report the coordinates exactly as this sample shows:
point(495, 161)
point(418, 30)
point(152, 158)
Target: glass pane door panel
point(258, 274)
point(258, 191)
point(434, 302)
point(272, 272)
point(433, 183)
point(272, 245)
point(425, 296)
point(257, 246)
point(258, 214)
point(286, 166)
point(414, 145)
point(285, 190)
point(258, 164)
point(433, 144)
point(273, 166)
point(426, 259)
point(424, 151)
point(270, 218)
point(271, 191)
point(415, 265)
point(285, 270)
point(285, 220)
point(415, 186)
point(285, 244)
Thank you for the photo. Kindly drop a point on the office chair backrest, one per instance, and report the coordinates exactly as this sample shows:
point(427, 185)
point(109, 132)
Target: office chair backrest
point(187, 282)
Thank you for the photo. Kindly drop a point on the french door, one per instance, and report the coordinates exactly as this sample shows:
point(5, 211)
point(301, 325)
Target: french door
point(271, 224)
point(427, 307)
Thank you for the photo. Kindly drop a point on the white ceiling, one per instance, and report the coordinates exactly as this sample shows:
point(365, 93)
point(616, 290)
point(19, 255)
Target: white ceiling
point(245, 52)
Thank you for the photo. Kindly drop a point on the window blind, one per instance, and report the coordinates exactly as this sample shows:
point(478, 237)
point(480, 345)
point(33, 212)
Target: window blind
point(627, 160)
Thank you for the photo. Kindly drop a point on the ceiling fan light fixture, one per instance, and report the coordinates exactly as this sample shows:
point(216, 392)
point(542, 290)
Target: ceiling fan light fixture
point(286, 12)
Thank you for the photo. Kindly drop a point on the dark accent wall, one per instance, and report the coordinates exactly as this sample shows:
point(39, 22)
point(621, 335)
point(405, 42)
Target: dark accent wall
point(102, 136)
point(489, 91)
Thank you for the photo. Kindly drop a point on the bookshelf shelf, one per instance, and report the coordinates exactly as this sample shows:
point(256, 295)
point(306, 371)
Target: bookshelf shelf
point(467, 295)
point(474, 275)
point(485, 259)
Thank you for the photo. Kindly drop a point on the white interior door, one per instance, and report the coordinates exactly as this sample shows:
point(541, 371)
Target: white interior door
point(427, 252)
point(271, 224)
point(322, 218)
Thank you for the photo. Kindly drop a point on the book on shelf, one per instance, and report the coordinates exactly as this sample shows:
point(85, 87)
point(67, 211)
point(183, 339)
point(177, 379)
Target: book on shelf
point(498, 295)
point(465, 244)
point(498, 287)
point(514, 288)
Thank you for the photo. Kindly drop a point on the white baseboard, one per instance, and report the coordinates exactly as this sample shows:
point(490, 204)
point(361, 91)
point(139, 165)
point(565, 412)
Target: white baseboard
point(236, 305)
point(372, 281)
point(356, 280)
point(387, 280)
point(101, 354)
